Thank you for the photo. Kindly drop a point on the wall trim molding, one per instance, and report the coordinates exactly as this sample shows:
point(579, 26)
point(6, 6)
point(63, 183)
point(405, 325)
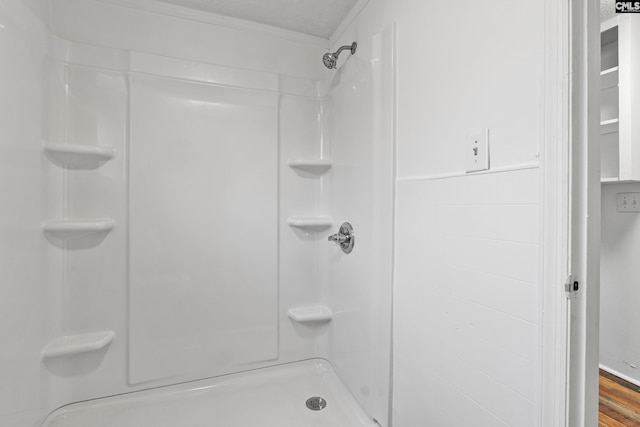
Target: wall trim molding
point(502, 169)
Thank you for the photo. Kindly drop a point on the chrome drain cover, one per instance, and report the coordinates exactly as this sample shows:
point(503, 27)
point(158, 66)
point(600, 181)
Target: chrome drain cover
point(316, 403)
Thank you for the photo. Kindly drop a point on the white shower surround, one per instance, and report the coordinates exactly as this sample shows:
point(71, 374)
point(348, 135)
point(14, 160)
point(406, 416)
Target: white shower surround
point(89, 102)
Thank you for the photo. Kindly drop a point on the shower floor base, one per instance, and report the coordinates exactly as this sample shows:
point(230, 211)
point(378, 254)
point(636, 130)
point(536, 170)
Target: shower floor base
point(266, 397)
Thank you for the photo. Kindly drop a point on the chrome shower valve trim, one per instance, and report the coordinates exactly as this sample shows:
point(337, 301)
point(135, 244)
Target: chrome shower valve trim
point(345, 238)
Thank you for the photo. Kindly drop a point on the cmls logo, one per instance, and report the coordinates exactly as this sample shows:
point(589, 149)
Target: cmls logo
point(628, 7)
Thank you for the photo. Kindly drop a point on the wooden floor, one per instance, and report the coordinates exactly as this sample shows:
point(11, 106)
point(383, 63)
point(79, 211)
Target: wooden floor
point(619, 402)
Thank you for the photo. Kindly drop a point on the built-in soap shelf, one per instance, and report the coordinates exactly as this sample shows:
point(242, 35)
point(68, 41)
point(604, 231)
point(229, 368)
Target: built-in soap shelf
point(70, 345)
point(314, 167)
point(74, 156)
point(312, 314)
point(66, 229)
point(310, 223)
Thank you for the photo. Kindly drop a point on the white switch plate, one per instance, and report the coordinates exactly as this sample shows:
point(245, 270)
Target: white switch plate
point(628, 202)
point(477, 151)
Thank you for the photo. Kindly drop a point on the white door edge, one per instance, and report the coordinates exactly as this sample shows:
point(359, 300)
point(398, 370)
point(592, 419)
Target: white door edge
point(571, 216)
point(584, 217)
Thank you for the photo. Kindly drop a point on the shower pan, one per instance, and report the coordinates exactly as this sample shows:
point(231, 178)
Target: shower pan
point(277, 396)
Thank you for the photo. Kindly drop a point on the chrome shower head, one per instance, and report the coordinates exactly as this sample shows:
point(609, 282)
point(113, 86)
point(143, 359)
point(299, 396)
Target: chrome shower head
point(330, 59)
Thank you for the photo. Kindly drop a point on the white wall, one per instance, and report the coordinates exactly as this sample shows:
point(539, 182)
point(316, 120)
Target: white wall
point(466, 289)
point(619, 290)
point(22, 180)
point(465, 325)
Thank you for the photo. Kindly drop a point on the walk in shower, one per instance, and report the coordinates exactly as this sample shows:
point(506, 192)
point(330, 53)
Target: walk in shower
point(192, 168)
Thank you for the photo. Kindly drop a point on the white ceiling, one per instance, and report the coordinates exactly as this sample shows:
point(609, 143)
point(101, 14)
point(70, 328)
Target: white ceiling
point(607, 9)
point(314, 17)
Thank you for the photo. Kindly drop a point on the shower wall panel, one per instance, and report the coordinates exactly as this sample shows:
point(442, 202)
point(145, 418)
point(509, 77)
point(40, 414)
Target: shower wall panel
point(359, 123)
point(22, 182)
point(90, 107)
point(200, 165)
point(301, 274)
point(203, 228)
point(87, 109)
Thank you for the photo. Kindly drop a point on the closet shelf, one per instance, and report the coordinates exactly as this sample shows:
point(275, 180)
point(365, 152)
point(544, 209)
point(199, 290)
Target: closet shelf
point(609, 180)
point(75, 156)
point(313, 314)
point(66, 229)
point(609, 71)
point(315, 167)
point(609, 78)
point(609, 126)
point(619, 103)
point(616, 180)
point(310, 223)
point(78, 344)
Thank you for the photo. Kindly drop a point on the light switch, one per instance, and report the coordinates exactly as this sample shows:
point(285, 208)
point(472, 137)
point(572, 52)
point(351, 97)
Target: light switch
point(628, 202)
point(477, 151)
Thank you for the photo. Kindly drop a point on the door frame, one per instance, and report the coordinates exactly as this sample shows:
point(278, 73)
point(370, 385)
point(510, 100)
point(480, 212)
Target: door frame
point(584, 214)
point(571, 215)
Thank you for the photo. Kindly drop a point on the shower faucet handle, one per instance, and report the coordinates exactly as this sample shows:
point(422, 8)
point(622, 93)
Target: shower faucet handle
point(345, 238)
point(339, 238)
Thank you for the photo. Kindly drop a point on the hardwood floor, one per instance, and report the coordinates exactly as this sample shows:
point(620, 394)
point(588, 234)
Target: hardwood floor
point(619, 402)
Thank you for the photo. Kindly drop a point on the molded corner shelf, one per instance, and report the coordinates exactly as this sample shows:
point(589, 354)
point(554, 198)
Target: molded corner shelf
point(318, 313)
point(310, 223)
point(75, 156)
point(78, 344)
point(316, 167)
point(66, 229)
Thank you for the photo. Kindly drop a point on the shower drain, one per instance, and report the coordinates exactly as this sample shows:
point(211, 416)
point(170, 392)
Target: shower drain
point(316, 403)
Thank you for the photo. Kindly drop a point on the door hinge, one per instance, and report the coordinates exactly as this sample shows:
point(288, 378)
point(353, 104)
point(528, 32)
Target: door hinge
point(571, 285)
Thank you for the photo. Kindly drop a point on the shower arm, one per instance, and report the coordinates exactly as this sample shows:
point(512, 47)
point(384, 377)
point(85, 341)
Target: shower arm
point(351, 47)
point(337, 52)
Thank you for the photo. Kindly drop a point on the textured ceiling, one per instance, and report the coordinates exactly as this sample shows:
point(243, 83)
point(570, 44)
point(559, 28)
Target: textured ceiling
point(607, 10)
point(314, 17)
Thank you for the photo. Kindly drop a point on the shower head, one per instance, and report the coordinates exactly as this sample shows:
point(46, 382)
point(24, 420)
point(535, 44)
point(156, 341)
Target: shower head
point(330, 59)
